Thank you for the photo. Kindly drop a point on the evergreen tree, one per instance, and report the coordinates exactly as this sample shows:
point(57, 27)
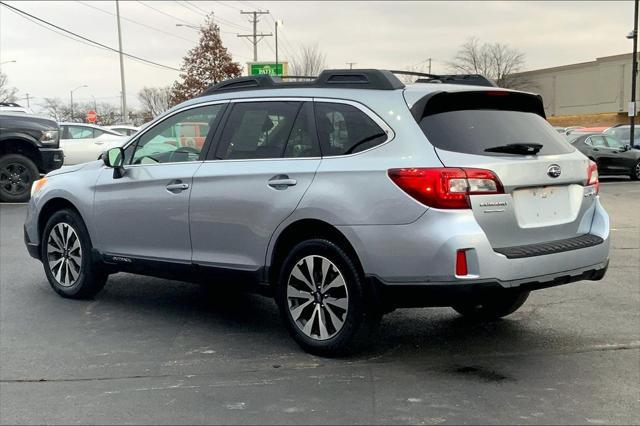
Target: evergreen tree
point(207, 63)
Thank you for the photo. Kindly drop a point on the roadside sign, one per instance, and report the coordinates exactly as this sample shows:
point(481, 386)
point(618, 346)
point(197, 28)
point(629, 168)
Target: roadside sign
point(92, 116)
point(270, 68)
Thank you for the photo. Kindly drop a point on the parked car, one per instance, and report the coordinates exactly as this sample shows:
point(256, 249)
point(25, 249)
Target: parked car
point(566, 130)
point(345, 197)
point(623, 133)
point(593, 129)
point(123, 129)
point(612, 156)
point(28, 147)
point(86, 142)
point(14, 107)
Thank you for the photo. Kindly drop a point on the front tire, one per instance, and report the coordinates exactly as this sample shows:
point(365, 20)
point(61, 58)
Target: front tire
point(635, 171)
point(323, 299)
point(66, 256)
point(17, 174)
point(492, 307)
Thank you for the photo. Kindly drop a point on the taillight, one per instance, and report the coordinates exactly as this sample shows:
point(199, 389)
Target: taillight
point(446, 188)
point(592, 176)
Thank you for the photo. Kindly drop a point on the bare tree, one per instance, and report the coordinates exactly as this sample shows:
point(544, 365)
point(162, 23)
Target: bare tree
point(497, 61)
point(309, 61)
point(56, 109)
point(7, 94)
point(155, 100)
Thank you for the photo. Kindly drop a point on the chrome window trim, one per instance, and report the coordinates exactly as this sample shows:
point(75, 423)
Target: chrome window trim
point(363, 108)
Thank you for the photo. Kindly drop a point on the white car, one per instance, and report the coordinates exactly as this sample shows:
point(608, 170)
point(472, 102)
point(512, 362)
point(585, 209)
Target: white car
point(86, 142)
point(124, 129)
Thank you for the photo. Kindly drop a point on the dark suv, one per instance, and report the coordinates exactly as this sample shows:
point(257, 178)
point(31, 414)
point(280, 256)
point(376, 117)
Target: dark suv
point(29, 146)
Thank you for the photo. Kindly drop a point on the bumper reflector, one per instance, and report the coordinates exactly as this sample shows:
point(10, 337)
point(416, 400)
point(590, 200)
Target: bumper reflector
point(461, 263)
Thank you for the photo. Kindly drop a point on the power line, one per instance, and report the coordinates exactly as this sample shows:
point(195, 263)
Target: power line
point(135, 22)
point(186, 22)
point(197, 12)
point(224, 3)
point(166, 14)
point(196, 7)
point(93, 42)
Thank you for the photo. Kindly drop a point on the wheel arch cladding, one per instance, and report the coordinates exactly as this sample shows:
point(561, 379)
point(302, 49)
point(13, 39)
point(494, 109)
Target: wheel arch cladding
point(49, 208)
point(302, 230)
point(22, 147)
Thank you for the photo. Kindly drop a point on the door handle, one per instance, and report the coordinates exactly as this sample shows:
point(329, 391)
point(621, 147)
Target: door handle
point(281, 182)
point(177, 187)
point(596, 149)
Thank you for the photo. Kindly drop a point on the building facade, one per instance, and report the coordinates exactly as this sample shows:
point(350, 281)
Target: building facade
point(594, 91)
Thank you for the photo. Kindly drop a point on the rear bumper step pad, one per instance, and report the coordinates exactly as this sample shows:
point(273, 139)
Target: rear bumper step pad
point(551, 247)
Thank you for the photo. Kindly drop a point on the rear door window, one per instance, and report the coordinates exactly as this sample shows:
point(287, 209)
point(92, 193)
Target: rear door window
point(344, 129)
point(257, 130)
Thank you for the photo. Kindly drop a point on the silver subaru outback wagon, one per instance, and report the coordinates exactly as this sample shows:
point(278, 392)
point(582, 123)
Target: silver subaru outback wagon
point(344, 197)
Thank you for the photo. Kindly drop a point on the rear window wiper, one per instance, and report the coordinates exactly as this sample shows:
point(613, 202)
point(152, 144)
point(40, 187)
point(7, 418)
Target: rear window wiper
point(517, 148)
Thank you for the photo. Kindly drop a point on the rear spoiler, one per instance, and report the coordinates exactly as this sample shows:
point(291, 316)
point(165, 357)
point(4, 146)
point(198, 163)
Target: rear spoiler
point(463, 79)
point(503, 100)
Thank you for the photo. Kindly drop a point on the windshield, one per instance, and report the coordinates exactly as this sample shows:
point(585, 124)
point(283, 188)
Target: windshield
point(475, 131)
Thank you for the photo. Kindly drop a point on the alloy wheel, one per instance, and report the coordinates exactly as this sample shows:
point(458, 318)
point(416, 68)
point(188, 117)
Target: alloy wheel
point(317, 297)
point(637, 170)
point(15, 178)
point(64, 254)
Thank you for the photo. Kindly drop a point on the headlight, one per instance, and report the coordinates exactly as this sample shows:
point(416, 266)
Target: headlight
point(49, 136)
point(37, 185)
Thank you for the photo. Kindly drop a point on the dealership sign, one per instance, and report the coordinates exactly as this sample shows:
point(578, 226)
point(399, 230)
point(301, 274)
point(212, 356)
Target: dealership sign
point(270, 68)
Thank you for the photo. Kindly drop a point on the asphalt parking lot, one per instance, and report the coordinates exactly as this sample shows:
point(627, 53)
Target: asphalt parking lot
point(154, 351)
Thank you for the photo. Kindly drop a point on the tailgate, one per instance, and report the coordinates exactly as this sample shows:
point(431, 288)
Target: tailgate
point(535, 207)
point(545, 198)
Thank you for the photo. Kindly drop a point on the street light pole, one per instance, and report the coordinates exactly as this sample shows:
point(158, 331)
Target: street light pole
point(634, 76)
point(124, 90)
point(276, 47)
point(71, 93)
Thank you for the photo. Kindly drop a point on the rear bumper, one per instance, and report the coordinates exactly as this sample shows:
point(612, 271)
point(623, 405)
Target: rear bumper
point(450, 293)
point(423, 253)
point(52, 159)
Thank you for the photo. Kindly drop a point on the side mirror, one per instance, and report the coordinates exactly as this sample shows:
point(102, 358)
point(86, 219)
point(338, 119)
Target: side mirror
point(114, 158)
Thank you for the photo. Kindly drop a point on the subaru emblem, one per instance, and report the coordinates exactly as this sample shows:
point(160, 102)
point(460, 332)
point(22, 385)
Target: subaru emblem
point(554, 171)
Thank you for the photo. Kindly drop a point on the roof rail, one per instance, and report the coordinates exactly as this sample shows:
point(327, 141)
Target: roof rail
point(465, 79)
point(349, 79)
point(10, 104)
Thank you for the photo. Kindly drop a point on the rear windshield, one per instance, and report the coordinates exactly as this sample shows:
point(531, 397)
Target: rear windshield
point(474, 131)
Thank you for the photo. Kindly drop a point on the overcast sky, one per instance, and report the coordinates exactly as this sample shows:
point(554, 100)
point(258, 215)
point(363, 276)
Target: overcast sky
point(388, 35)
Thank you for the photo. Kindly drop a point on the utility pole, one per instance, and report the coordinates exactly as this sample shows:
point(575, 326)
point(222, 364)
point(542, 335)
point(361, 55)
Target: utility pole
point(124, 90)
point(634, 76)
point(351, 64)
point(255, 34)
point(429, 59)
point(28, 106)
point(276, 47)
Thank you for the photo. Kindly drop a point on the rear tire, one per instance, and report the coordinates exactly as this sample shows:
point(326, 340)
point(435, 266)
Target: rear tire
point(17, 174)
point(323, 299)
point(66, 256)
point(635, 171)
point(492, 307)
